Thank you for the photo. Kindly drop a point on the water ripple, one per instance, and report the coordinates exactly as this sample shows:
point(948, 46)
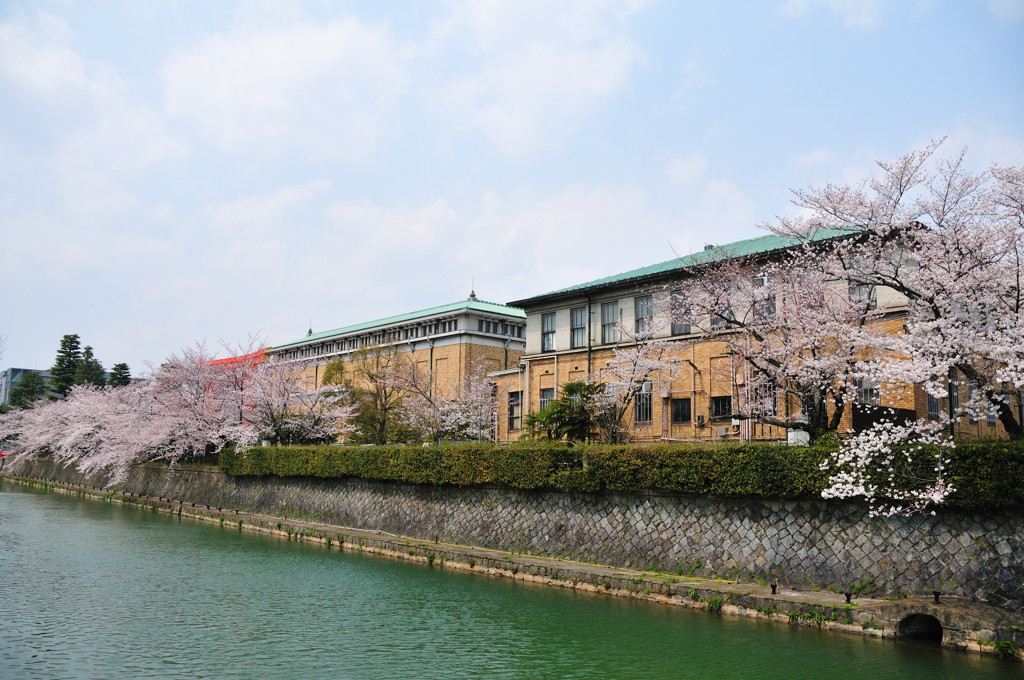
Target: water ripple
point(91, 590)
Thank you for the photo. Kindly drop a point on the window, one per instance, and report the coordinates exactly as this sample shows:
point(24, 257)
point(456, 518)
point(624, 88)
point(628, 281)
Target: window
point(721, 408)
point(680, 314)
point(933, 407)
point(547, 332)
point(867, 392)
point(764, 297)
point(644, 309)
point(723, 318)
point(954, 396)
point(609, 322)
point(578, 325)
point(680, 411)
point(863, 293)
point(643, 404)
point(515, 410)
point(766, 397)
point(990, 418)
point(546, 395)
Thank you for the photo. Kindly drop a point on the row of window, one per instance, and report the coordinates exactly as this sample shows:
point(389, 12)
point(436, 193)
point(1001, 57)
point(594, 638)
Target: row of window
point(379, 338)
point(609, 324)
point(681, 409)
point(643, 319)
point(644, 315)
point(500, 328)
point(953, 396)
point(867, 392)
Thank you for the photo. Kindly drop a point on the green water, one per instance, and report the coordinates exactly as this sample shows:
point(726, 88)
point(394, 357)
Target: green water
point(93, 590)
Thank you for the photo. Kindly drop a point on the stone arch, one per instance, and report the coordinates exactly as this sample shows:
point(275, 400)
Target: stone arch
point(923, 627)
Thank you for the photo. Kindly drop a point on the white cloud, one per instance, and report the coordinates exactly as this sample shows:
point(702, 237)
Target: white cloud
point(543, 67)
point(1006, 10)
point(566, 237)
point(34, 58)
point(96, 133)
point(859, 14)
point(695, 77)
point(256, 214)
point(986, 144)
point(327, 89)
point(722, 214)
point(686, 170)
point(816, 157)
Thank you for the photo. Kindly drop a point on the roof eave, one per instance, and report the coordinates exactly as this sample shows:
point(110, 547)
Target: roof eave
point(584, 290)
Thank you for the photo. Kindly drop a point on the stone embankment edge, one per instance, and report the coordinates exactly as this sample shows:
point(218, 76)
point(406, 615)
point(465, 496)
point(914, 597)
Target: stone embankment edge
point(979, 624)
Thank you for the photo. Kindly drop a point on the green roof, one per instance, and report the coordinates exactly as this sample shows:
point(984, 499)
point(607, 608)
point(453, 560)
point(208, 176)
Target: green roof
point(472, 304)
point(753, 246)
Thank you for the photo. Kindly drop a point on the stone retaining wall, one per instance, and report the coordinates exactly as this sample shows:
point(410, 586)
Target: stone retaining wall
point(806, 545)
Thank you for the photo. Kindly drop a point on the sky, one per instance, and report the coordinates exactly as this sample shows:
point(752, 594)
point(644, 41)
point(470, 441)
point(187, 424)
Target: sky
point(179, 171)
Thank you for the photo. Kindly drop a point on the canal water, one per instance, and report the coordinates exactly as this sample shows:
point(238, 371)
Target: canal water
point(94, 590)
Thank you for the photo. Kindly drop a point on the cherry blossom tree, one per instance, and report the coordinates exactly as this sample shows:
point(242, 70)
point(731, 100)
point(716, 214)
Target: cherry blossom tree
point(196, 403)
point(93, 428)
point(190, 405)
point(377, 372)
point(461, 410)
point(798, 333)
point(640, 364)
point(284, 405)
point(948, 241)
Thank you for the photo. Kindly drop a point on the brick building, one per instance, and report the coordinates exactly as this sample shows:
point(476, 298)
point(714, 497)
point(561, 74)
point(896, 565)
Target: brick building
point(571, 334)
point(443, 341)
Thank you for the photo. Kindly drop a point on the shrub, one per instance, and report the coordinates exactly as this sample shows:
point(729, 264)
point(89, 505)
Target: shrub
point(986, 474)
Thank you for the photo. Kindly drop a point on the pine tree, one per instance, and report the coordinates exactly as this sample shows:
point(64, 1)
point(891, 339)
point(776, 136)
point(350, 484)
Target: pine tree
point(69, 356)
point(90, 370)
point(119, 375)
point(31, 387)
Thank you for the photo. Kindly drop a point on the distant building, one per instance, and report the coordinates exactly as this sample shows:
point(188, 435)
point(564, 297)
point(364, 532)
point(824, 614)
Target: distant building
point(10, 377)
point(442, 341)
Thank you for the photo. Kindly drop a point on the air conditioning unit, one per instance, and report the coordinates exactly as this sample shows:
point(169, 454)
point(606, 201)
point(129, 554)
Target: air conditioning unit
point(723, 431)
point(700, 421)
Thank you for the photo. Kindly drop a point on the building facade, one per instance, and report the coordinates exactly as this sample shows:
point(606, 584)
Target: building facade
point(11, 376)
point(572, 334)
point(444, 343)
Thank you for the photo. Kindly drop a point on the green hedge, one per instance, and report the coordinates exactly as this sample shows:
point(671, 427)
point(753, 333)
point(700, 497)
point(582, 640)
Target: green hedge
point(986, 474)
point(749, 469)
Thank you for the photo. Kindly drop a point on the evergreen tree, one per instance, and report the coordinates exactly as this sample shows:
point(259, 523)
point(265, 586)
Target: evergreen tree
point(90, 370)
point(69, 356)
point(31, 387)
point(119, 375)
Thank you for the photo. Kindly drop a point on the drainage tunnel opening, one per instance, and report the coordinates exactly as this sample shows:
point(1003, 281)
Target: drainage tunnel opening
point(923, 627)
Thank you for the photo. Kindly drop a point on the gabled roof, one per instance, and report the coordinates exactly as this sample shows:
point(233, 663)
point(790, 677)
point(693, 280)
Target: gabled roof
point(761, 245)
point(472, 304)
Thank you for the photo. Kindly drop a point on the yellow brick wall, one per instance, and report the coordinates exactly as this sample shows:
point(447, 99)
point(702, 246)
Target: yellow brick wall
point(914, 398)
point(451, 362)
point(715, 376)
point(706, 369)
